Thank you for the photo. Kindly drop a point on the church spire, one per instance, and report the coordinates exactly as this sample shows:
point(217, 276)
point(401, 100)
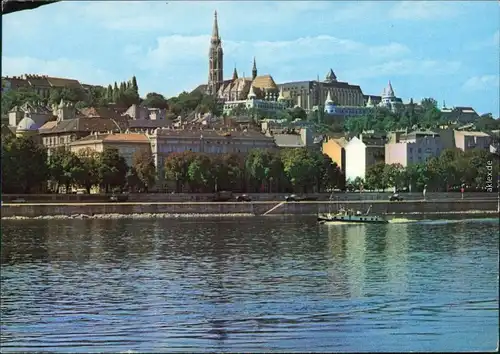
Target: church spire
point(215, 60)
point(254, 69)
point(235, 73)
point(215, 29)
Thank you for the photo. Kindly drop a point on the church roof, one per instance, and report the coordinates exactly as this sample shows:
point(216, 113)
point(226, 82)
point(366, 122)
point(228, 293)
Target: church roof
point(264, 82)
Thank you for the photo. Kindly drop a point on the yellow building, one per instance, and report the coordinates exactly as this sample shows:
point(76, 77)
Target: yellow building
point(126, 144)
point(335, 149)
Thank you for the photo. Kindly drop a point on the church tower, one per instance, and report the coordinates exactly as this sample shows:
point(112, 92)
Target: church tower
point(254, 69)
point(215, 60)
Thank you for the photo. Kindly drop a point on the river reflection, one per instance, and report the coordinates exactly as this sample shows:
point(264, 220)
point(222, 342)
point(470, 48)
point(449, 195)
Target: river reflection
point(249, 285)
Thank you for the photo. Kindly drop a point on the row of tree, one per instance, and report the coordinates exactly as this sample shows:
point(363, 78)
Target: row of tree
point(123, 94)
point(454, 168)
point(426, 115)
point(26, 168)
point(299, 170)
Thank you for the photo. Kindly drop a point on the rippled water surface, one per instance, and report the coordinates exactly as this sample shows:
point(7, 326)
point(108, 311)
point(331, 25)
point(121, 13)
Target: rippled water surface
point(248, 285)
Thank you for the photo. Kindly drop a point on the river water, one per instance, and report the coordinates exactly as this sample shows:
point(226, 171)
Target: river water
point(257, 284)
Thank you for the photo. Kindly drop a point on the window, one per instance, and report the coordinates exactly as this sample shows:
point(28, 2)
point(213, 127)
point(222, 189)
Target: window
point(419, 150)
point(411, 150)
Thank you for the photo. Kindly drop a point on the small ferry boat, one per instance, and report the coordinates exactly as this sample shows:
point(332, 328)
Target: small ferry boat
point(351, 216)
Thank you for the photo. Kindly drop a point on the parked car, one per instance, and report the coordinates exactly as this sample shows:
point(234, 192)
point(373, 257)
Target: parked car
point(395, 198)
point(298, 198)
point(243, 198)
point(118, 198)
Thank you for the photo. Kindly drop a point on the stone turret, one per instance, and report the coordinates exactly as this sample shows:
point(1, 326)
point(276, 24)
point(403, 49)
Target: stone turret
point(329, 104)
point(281, 97)
point(251, 94)
point(65, 111)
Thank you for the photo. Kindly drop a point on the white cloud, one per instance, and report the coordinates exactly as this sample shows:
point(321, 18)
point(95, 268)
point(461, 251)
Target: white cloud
point(481, 83)
point(142, 16)
point(408, 67)
point(423, 10)
point(190, 50)
point(62, 67)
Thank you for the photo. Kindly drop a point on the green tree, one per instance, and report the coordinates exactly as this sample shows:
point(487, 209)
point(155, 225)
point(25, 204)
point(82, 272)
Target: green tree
point(143, 166)
point(486, 123)
point(90, 162)
point(176, 168)
point(298, 113)
point(416, 176)
point(229, 171)
point(64, 168)
point(259, 168)
point(301, 167)
point(133, 181)
point(155, 100)
point(375, 177)
point(13, 98)
point(135, 87)
point(200, 173)
point(112, 169)
point(330, 175)
point(24, 165)
point(116, 93)
point(109, 94)
point(394, 175)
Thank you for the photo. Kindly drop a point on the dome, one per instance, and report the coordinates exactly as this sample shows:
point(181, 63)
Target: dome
point(27, 124)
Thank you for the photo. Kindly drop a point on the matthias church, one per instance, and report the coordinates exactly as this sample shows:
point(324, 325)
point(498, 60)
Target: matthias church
point(261, 91)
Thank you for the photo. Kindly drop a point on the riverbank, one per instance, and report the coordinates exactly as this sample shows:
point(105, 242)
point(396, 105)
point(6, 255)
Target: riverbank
point(416, 216)
point(204, 209)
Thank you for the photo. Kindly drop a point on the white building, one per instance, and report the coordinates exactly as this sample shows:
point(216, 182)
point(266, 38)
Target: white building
point(270, 104)
point(361, 153)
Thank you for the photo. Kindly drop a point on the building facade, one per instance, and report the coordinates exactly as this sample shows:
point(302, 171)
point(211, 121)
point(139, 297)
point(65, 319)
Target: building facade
point(362, 153)
point(167, 141)
point(335, 149)
point(308, 94)
point(416, 147)
point(126, 144)
point(40, 84)
point(466, 140)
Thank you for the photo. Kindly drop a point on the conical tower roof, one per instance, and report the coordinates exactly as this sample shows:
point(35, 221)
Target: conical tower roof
point(215, 28)
point(281, 97)
point(251, 94)
point(330, 76)
point(329, 99)
point(235, 74)
point(389, 91)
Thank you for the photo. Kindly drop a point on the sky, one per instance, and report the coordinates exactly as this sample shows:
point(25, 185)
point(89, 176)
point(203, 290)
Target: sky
point(445, 50)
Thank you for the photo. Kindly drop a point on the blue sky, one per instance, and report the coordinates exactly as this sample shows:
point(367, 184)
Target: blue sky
point(445, 50)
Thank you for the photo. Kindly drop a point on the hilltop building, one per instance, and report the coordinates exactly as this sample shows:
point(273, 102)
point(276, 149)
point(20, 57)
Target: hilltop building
point(41, 84)
point(310, 94)
point(258, 91)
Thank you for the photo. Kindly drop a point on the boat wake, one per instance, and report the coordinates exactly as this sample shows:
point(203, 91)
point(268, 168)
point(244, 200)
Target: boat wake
point(402, 221)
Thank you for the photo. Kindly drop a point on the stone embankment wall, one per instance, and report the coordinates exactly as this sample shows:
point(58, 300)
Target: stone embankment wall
point(254, 208)
point(205, 197)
